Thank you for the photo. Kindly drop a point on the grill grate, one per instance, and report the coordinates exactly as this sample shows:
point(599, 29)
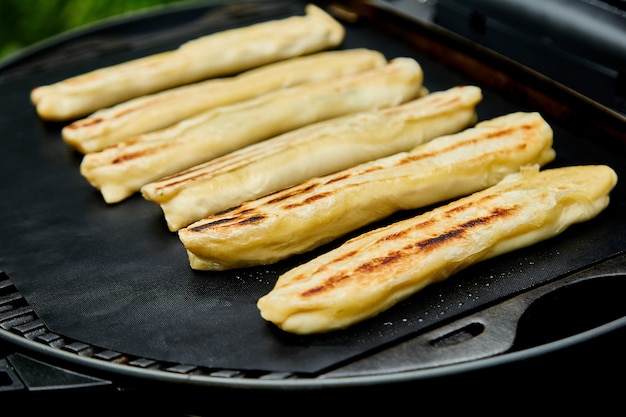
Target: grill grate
point(19, 318)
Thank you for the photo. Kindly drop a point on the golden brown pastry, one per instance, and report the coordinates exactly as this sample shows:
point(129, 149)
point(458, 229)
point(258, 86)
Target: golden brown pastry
point(122, 169)
point(156, 111)
point(372, 272)
point(222, 53)
point(320, 210)
point(311, 151)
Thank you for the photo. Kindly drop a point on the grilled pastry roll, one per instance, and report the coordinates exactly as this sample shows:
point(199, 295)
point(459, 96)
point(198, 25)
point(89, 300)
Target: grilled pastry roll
point(372, 272)
point(156, 111)
point(122, 169)
point(318, 211)
point(217, 54)
point(311, 151)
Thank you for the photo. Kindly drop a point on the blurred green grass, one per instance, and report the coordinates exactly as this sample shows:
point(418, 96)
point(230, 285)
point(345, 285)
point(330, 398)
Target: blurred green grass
point(26, 22)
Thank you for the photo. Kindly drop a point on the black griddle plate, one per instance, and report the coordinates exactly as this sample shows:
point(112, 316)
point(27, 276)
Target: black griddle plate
point(113, 277)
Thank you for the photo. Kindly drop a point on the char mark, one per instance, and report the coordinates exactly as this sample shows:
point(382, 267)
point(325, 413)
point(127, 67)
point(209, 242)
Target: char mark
point(230, 221)
point(290, 193)
point(429, 244)
point(84, 123)
point(308, 200)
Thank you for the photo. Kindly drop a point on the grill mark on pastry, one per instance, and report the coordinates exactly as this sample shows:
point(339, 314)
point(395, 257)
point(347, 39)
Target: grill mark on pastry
point(229, 222)
point(485, 200)
point(175, 183)
point(328, 284)
point(225, 164)
point(253, 219)
point(425, 245)
point(126, 143)
point(338, 178)
point(308, 200)
point(211, 224)
point(186, 175)
point(372, 169)
point(296, 191)
point(466, 143)
point(133, 155)
point(85, 123)
point(92, 121)
point(291, 193)
point(228, 210)
point(238, 212)
point(404, 232)
point(440, 101)
point(134, 109)
point(434, 101)
point(140, 153)
point(183, 177)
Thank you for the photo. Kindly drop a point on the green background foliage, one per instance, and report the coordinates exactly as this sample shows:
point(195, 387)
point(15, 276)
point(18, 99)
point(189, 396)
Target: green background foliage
point(26, 22)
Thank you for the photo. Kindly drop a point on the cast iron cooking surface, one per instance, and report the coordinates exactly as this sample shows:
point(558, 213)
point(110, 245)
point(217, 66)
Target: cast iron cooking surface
point(115, 278)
